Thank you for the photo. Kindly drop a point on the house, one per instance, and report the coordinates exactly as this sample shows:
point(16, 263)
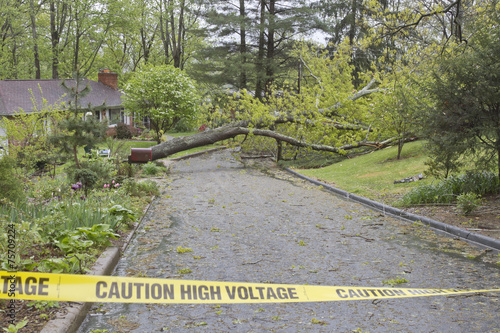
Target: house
point(104, 99)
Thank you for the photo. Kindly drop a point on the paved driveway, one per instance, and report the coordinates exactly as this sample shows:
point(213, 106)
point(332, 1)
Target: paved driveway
point(252, 224)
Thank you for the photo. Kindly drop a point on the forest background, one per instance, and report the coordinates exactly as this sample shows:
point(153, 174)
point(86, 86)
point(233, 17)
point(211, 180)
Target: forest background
point(325, 75)
point(291, 77)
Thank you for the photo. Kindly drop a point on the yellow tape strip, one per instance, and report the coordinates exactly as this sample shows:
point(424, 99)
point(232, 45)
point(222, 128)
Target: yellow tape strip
point(91, 288)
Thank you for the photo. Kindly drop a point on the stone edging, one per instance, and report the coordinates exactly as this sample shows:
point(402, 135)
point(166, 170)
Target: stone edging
point(76, 311)
point(471, 237)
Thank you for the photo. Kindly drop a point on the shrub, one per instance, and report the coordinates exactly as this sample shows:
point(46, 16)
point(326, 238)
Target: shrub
point(184, 125)
point(152, 169)
point(123, 131)
point(134, 130)
point(143, 134)
point(127, 169)
point(468, 202)
point(104, 168)
point(111, 132)
point(446, 191)
point(146, 187)
point(87, 177)
point(47, 189)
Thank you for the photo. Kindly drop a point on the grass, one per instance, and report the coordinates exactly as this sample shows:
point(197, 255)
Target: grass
point(373, 175)
point(178, 134)
point(138, 144)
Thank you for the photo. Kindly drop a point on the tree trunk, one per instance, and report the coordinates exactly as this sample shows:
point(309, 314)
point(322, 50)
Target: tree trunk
point(352, 27)
point(279, 150)
point(270, 48)
point(77, 43)
point(401, 142)
point(38, 72)
point(243, 46)
point(57, 23)
point(145, 46)
point(14, 54)
point(177, 35)
point(54, 37)
point(259, 88)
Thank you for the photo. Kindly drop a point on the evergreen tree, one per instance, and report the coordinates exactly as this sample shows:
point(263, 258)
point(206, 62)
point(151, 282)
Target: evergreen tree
point(466, 89)
point(257, 39)
point(78, 129)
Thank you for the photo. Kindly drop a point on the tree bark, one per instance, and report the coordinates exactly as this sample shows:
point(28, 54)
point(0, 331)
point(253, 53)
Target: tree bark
point(270, 48)
point(58, 18)
point(259, 87)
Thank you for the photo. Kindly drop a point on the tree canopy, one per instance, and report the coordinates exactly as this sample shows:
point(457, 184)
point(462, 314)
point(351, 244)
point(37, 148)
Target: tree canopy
point(389, 72)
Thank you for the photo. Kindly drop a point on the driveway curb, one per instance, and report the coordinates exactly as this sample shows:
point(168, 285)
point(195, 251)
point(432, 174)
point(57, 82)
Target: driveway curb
point(70, 322)
point(471, 237)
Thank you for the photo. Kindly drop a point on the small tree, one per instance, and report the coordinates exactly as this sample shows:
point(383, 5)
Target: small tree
point(164, 94)
point(75, 130)
point(397, 108)
point(11, 188)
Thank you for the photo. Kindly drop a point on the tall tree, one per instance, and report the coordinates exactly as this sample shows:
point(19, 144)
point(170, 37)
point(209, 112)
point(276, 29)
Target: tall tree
point(77, 129)
point(13, 22)
point(179, 21)
point(230, 54)
point(256, 39)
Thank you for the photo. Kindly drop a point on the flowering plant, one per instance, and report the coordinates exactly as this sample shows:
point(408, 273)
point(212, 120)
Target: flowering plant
point(112, 185)
point(468, 202)
point(76, 186)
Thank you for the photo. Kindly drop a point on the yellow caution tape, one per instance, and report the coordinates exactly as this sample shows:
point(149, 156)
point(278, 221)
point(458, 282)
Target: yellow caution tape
point(92, 288)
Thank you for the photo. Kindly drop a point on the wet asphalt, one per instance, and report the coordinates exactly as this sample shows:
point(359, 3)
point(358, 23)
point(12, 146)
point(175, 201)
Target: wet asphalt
point(250, 223)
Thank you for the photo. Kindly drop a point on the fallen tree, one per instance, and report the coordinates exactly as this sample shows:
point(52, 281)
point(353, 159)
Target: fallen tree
point(230, 131)
point(326, 116)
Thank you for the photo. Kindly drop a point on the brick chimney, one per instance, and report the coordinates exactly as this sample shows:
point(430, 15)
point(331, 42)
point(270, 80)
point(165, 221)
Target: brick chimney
point(109, 78)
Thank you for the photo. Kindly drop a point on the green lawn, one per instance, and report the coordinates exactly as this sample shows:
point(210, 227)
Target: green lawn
point(139, 144)
point(373, 175)
point(177, 134)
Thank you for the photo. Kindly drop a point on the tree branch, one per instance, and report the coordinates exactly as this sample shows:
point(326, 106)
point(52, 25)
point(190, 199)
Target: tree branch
point(230, 131)
point(420, 18)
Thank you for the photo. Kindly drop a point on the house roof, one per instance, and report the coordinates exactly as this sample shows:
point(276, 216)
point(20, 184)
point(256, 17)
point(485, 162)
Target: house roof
point(15, 94)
